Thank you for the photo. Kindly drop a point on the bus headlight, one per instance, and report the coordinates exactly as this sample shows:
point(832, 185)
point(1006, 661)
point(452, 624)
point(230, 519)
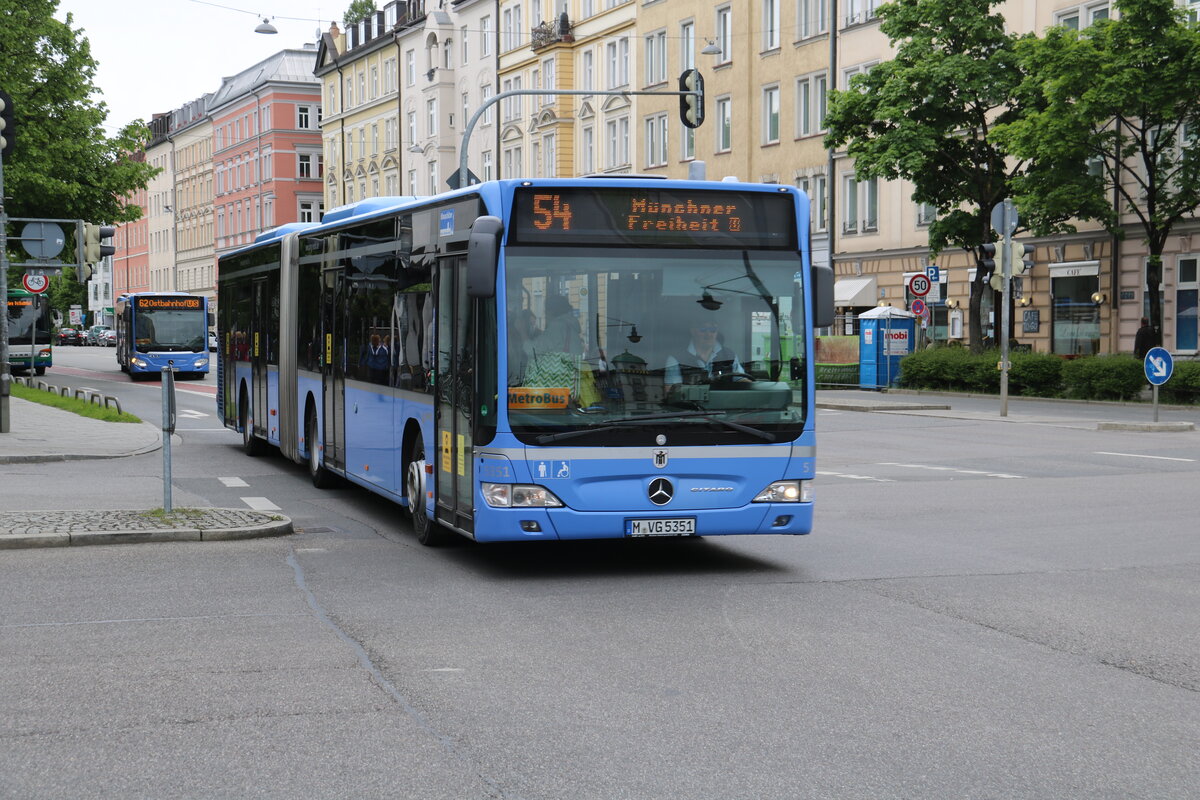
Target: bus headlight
point(203, 362)
point(519, 495)
point(138, 362)
point(786, 492)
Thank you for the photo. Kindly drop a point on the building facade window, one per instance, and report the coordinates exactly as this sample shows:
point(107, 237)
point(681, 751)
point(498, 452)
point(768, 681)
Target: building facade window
point(770, 112)
point(655, 45)
point(724, 124)
point(770, 23)
point(656, 141)
point(724, 32)
point(812, 18)
point(1186, 295)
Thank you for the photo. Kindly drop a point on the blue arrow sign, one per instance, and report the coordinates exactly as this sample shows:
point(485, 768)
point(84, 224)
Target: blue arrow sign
point(1159, 366)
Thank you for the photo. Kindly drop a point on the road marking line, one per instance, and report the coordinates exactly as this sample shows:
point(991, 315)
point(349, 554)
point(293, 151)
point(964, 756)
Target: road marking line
point(1139, 455)
point(951, 469)
point(856, 477)
point(233, 482)
point(260, 503)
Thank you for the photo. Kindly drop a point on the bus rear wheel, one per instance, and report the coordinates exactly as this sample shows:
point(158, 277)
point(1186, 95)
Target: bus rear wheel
point(251, 444)
point(428, 531)
point(321, 477)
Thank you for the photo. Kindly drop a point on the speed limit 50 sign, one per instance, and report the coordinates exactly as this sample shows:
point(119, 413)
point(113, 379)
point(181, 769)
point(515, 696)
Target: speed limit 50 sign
point(919, 284)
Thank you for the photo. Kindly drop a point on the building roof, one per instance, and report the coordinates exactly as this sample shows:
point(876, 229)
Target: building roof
point(286, 66)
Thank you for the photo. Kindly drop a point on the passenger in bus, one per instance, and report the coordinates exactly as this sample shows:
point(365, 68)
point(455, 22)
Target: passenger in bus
point(706, 357)
point(561, 334)
point(522, 333)
point(377, 358)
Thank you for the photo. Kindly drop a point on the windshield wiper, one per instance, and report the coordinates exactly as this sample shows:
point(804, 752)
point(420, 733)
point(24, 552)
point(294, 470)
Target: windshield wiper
point(701, 416)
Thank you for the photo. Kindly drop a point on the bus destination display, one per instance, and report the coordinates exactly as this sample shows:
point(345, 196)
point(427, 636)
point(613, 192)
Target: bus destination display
point(168, 302)
point(653, 217)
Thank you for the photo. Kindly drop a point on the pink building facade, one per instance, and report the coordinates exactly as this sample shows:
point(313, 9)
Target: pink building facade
point(266, 149)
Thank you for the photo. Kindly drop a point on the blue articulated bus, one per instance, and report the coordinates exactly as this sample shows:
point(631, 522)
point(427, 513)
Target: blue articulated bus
point(29, 335)
point(540, 359)
point(160, 329)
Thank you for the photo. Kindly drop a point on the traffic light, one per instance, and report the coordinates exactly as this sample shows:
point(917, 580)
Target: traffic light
point(8, 130)
point(93, 248)
point(93, 235)
point(691, 106)
point(1020, 257)
point(987, 258)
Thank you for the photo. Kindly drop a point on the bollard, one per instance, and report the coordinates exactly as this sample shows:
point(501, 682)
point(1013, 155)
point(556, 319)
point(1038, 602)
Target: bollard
point(112, 402)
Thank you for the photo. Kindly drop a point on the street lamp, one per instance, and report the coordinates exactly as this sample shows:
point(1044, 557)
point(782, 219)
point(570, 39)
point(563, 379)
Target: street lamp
point(266, 27)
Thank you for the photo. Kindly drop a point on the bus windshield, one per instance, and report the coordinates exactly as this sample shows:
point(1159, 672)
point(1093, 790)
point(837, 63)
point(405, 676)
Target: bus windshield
point(170, 330)
point(27, 316)
point(617, 346)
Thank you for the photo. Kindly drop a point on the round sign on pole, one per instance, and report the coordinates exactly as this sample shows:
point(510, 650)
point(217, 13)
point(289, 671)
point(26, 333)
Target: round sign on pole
point(1158, 365)
point(35, 283)
point(917, 307)
point(919, 284)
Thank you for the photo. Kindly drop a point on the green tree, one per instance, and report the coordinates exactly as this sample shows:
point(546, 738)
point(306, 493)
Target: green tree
point(358, 11)
point(1120, 105)
point(925, 116)
point(63, 165)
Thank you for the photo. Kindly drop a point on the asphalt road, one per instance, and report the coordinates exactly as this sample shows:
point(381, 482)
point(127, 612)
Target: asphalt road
point(985, 610)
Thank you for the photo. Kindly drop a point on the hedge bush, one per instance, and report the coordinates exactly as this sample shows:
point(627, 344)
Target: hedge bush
point(1111, 377)
point(1115, 377)
point(1035, 374)
point(1183, 387)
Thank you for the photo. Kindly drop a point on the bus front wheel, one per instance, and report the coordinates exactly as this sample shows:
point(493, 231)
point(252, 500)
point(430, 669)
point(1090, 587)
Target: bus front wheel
point(39, 370)
point(428, 531)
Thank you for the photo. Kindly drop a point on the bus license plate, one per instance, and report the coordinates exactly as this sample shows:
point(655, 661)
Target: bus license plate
point(685, 526)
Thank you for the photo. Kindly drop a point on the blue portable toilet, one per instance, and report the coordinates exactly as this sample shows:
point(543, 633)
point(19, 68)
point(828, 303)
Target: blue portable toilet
point(886, 335)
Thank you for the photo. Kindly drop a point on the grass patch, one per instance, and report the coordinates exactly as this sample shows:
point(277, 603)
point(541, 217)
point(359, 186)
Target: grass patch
point(176, 515)
point(75, 406)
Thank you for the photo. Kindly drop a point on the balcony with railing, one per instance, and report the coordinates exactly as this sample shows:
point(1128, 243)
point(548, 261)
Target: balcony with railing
point(548, 33)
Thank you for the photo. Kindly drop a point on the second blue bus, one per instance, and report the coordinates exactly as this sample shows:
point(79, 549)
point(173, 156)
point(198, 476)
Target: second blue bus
point(162, 329)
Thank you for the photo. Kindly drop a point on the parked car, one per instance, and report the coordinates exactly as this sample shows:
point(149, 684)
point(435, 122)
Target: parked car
point(69, 335)
point(108, 338)
point(93, 334)
point(212, 342)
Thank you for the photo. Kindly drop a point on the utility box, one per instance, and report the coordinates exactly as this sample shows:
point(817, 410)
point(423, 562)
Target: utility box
point(886, 335)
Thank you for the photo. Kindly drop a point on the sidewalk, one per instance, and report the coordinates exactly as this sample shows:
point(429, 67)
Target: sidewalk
point(40, 433)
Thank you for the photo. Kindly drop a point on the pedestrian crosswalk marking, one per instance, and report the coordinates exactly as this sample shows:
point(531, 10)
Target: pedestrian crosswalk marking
point(260, 503)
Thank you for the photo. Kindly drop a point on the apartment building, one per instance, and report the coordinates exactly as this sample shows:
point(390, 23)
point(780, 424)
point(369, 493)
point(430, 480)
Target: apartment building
point(399, 87)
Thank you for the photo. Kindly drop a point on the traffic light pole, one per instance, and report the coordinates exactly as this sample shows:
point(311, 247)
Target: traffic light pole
point(463, 172)
point(1010, 214)
point(5, 378)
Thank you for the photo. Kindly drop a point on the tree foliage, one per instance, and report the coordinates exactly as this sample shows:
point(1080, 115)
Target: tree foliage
point(926, 115)
point(63, 165)
point(358, 11)
point(1119, 104)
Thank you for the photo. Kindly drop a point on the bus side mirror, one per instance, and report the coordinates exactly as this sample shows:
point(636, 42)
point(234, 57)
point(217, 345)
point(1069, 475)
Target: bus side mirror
point(822, 293)
point(483, 252)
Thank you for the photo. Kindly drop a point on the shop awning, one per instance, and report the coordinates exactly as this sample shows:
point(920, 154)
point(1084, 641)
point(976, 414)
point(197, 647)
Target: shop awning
point(855, 292)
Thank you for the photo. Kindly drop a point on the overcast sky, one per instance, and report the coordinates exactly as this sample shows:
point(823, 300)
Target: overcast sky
point(156, 55)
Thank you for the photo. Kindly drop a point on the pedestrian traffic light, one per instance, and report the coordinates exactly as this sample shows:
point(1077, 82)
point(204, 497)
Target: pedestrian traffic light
point(1020, 257)
point(691, 104)
point(8, 130)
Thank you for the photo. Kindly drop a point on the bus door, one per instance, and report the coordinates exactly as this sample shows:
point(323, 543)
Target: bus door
point(452, 461)
point(333, 368)
point(259, 331)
